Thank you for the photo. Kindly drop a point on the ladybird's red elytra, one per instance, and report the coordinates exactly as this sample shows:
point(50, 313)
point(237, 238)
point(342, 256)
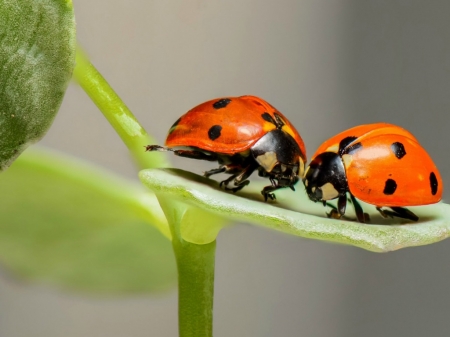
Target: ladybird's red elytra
point(381, 164)
point(243, 134)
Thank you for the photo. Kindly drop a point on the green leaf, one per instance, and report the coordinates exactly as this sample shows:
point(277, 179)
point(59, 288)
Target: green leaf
point(37, 57)
point(293, 213)
point(69, 224)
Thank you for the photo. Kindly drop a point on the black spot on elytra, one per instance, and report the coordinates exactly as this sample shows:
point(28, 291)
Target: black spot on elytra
point(344, 143)
point(389, 187)
point(214, 132)
point(352, 148)
point(433, 183)
point(398, 149)
point(172, 128)
point(344, 147)
point(268, 118)
point(221, 103)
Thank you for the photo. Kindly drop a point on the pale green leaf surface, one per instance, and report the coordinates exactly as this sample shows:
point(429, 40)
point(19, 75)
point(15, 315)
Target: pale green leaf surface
point(66, 223)
point(293, 213)
point(37, 56)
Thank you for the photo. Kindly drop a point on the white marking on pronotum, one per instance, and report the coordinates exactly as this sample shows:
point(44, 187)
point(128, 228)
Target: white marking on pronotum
point(329, 192)
point(302, 168)
point(334, 148)
point(267, 160)
point(307, 169)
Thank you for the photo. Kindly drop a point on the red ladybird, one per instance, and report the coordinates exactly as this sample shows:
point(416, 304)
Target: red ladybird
point(242, 134)
point(380, 164)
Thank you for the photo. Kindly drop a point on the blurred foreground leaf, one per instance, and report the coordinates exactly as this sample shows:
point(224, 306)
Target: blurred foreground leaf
point(37, 56)
point(66, 223)
point(293, 213)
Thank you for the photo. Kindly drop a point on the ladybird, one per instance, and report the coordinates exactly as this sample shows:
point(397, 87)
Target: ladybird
point(243, 134)
point(381, 164)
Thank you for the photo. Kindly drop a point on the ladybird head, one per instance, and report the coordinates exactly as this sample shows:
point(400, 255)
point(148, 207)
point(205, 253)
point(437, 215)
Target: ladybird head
point(279, 157)
point(325, 177)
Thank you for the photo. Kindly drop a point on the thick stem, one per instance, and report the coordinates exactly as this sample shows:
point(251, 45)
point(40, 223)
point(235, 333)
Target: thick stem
point(195, 287)
point(116, 112)
point(195, 274)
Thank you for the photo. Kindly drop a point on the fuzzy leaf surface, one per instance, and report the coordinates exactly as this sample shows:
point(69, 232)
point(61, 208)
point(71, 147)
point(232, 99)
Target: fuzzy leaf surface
point(37, 57)
point(293, 213)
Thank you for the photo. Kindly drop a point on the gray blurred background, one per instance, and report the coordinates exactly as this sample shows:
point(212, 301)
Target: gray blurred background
point(327, 65)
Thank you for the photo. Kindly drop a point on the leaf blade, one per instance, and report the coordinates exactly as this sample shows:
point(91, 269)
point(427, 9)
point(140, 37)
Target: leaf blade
point(37, 57)
point(71, 225)
point(285, 215)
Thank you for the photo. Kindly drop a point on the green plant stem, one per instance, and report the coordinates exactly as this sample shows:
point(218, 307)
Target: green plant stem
point(195, 287)
point(195, 274)
point(116, 112)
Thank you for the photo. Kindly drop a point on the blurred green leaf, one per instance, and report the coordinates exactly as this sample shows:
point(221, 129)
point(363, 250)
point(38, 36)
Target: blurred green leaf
point(70, 224)
point(37, 57)
point(293, 213)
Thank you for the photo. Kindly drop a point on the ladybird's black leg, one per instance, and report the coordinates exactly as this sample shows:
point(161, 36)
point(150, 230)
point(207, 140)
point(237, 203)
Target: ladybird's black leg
point(358, 209)
point(209, 173)
point(342, 204)
point(240, 186)
point(239, 179)
point(228, 180)
point(385, 213)
point(195, 155)
point(335, 214)
point(267, 192)
point(399, 212)
point(157, 148)
point(184, 153)
point(273, 182)
point(405, 213)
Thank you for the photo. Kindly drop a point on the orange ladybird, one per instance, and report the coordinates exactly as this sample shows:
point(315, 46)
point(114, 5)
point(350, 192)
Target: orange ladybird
point(242, 134)
point(381, 164)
